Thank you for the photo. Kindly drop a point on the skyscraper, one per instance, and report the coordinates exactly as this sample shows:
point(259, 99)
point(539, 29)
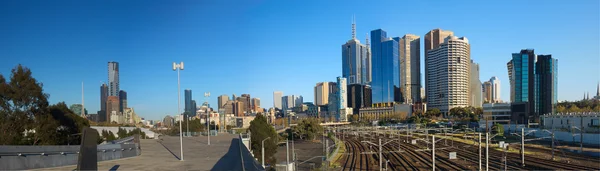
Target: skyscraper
point(322, 91)
point(222, 99)
point(487, 92)
point(448, 74)
point(342, 97)
point(385, 82)
point(112, 106)
point(247, 102)
point(288, 102)
point(495, 96)
point(299, 100)
point(255, 104)
point(122, 100)
point(113, 79)
point(546, 80)
point(433, 39)
point(410, 68)
point(355, 60)
point(188, 102)
point(522, 86)
point(103, 98)
point(277, 99)
point(475, 88)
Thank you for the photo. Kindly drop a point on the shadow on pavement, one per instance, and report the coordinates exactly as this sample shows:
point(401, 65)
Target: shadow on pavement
point(177, 157)
point(114, 168)
point(232, 160)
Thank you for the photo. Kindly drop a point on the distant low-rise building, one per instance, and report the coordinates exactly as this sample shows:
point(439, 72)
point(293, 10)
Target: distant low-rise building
point(495, 113)
point(568, 120)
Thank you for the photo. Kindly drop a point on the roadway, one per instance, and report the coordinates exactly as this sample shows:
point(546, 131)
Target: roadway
point(224, 153)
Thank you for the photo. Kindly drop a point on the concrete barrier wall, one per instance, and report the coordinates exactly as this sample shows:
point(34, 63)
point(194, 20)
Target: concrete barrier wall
point(115, 129)
point(588, 138)
point(31, 157)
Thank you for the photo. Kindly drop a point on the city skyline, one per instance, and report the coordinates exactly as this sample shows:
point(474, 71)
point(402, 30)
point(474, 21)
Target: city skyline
point(63, 55)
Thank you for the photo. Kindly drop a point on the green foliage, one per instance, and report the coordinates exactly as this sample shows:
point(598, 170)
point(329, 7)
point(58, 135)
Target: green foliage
point(26, 118)
point(470, 113)
point(308, 128)
point(498, 129)
point(259, 130)
point(431, 113)
point(122, 133)
point(578, 106)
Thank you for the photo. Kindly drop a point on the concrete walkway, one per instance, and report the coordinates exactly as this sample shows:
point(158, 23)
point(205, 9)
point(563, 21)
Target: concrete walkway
point(223, 153)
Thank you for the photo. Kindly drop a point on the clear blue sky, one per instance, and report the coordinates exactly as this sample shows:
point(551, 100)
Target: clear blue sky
point(258, 47)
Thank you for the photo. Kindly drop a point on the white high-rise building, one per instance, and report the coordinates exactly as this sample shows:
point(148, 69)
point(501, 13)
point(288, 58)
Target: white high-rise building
point(277, 99)
point(113, 79)
point(448, 74)
point(410, 68)
point(495, 89)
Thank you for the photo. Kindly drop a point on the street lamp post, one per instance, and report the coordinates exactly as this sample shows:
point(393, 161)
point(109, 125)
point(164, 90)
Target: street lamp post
point(179, 67)
point(206, 95)
point(188, 125)
point(263, 151)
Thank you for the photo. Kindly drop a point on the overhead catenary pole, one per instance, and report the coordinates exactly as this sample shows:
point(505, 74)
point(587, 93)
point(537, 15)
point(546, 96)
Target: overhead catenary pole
point(479, 151)
point(206, 96)
point(487, 150)
point(433, 150)
point(523, 147)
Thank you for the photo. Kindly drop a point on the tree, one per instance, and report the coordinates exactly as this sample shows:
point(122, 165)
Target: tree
point(259, 130)
point(498, 129)
point(122, 133)
point(573, 108)
point(307, 128)
point(23, 106)
point(435, 112)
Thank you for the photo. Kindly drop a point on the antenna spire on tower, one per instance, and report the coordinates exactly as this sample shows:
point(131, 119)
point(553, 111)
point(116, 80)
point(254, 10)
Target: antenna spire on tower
point(353, 27)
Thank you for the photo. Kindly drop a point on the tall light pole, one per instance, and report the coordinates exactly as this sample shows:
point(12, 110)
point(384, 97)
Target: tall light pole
point(179, 67)
point(188, 125)
point(263, 151)
point(206, 95)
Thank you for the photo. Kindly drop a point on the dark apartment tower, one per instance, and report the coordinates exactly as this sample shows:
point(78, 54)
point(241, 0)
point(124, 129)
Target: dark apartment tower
point(546, 76)
point(122, 100)
point(355, 97)
point(193, 108)
point(103, 98)
point(367, 98)
point(187, 102)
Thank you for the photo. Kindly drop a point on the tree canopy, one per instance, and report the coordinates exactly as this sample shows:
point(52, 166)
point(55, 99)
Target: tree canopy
point(307, 128)
point(260, 130)
point(26, 118)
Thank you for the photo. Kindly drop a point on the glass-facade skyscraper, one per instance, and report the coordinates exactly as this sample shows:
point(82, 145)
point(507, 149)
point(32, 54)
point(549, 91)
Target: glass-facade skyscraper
point(546, 80)
point(113, 79)
point(385, 82)
point(188, 102)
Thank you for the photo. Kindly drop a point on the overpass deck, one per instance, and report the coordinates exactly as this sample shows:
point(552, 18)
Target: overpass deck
point(224, 153)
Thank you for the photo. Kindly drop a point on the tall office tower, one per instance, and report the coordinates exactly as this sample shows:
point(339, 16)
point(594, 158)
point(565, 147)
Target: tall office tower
point(248, 101)
point(233, 97)
point(495, 98)
point(238, 108)
point(322, 91)
point(358, 96)
point(228, 106)
point(255, 104)
point(546, 75)
point(188, 102)
point(288, 102)
point(385, 84)
point(299, 100)
point(522, 86)
point(113, 79)
point(448, 74)
point(277, 99)
point(244, 100)
point(475, 88)
point(194, 108)
point(222, 99)
point(354, 56)
point(433, 39)
point(487, 92)
point(122, 100)
point(103, 98)
point(410, 68)
point(112, 105)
